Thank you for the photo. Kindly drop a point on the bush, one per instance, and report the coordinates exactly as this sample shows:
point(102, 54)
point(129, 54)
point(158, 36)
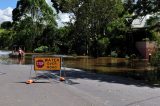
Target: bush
point(41, 49)
point(155, 59)
point(114, 54)
point(102, 46)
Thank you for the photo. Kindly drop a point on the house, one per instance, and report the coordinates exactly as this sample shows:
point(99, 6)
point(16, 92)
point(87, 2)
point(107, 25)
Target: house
point(145, 47)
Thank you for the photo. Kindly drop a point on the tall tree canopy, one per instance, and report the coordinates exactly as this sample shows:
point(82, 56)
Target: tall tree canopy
point(92, 17)
point(30, 19)
point(38, 10)
point(142, 7)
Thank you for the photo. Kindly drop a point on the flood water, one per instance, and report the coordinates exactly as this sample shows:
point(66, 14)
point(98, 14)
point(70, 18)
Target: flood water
point(137, 69)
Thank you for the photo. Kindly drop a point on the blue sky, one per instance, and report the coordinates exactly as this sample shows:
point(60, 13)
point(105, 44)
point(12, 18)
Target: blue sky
point(6, 7)
point(7, 3)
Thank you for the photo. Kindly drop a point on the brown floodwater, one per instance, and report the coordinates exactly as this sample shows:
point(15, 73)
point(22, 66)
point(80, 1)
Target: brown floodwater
point(101, 64)
point(137, 69)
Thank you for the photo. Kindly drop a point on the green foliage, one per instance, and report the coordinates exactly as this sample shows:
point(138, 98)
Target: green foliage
point(91, 19)
point(155, 60)
point(153, 20)
point(65, 40)
point(114, 54)
point(100, 26)
point(48, 36)
point(31, 19)
point(41, 49)
point(102, 46)
point(55, 49)
point(117, 25)
point(155, 35)
point(142, 7)
point(38, 10)
point(2, 30)
point(6, 25)
point(154, 27)
point(6, 38)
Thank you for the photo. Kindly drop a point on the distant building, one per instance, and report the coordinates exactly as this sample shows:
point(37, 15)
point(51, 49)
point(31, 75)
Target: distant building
point(145, 47)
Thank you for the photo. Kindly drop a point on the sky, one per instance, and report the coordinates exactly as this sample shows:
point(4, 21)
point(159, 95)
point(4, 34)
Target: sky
point(6, 7)
point(7, 3)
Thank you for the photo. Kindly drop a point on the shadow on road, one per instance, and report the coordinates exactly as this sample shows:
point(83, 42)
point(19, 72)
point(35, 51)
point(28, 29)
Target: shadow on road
point(72, 74)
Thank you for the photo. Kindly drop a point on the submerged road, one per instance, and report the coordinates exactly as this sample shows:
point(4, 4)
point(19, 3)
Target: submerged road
point(86, 89)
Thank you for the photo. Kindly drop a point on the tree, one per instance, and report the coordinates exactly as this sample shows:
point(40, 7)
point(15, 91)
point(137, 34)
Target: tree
point(154, 26)
point(6, 25)
point(38, 10)
point(142, 7)
point(139, 9)
point(6, 38)
point(30, 18)
point(91, 19)
point(26, 33)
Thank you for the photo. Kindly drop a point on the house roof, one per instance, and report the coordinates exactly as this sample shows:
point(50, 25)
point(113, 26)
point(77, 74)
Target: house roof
point(140, 22)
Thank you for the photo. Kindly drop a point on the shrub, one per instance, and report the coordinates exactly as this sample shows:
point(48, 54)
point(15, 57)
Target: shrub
point(41, 49)
point(114, 54)
point(155, 59)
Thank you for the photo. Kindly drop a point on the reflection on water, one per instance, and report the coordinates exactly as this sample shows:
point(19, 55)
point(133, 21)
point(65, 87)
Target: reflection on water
point(4, 53)
point(137, 69)
point(5, 59)
point(8, 60)
point(101, 64)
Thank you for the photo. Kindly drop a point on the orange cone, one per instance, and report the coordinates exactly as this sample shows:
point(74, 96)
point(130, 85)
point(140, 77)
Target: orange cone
point(29, 81)
point(62, 79)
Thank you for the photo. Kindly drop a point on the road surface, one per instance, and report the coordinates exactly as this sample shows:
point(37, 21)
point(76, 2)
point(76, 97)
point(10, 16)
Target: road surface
point(86, 89)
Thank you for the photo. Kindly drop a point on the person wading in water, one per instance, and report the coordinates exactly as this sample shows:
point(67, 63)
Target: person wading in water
point(20, 53)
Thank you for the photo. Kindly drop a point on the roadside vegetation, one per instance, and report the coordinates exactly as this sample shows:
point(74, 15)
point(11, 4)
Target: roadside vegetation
point(97, 27)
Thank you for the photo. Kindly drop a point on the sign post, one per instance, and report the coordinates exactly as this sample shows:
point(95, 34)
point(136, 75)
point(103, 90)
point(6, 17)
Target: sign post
point(46, 63)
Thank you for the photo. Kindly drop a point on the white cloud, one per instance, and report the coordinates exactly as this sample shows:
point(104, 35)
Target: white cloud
point(6, 14)
point(62, 17)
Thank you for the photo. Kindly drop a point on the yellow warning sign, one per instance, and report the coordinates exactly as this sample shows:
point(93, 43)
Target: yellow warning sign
point(47, 63)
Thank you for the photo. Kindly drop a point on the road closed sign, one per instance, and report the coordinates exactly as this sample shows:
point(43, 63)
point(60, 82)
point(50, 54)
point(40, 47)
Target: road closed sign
point(47, 63)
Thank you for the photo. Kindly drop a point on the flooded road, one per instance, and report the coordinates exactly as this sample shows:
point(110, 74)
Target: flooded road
point(138, 69)
point(101, 64)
